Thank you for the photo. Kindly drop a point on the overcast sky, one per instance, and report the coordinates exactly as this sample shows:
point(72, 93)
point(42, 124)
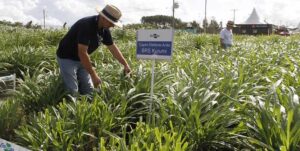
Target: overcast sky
point(279, 12)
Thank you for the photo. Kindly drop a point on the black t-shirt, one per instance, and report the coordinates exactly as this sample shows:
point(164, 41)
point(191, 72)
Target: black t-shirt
point(84, 31)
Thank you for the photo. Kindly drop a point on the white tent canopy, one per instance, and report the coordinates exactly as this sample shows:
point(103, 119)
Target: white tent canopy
point(253, 18)
point(298, 28)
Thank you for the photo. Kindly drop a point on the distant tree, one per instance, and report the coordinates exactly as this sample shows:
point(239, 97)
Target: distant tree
point(139, 26)
point(221, 24)
point(18, 24)
point(36, 26)
point(213, 27)
point(29, 24)
point(194, 26)
point(205, 24)
point(15, 24)
point(65, 25)
point(4, 22)
point(162, 21)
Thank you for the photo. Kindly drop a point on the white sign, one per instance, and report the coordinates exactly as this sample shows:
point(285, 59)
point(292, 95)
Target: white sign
point(154, 44)
point(8, 146)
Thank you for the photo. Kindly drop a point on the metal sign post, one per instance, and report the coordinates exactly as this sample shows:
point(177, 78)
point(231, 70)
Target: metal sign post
point(154, 45)
point(152, 91)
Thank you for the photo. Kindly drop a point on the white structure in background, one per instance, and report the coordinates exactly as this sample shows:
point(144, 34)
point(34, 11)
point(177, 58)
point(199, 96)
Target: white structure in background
point(253, 26)
point(298, 29)
point(253, 18)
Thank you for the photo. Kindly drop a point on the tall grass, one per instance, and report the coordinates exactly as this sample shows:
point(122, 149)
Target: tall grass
point(205, 98)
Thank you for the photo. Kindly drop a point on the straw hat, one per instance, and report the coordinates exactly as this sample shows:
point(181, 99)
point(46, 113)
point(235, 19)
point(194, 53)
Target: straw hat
point(111, 13)
point(230, 23)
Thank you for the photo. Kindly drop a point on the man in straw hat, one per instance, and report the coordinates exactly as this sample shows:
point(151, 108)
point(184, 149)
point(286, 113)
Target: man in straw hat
point(226, 37)
point(83, 38)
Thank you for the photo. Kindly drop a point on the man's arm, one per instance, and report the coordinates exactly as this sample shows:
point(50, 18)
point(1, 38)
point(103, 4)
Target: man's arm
point(222, 36)
point(115, 51)
point(86, 62)
point(222, 42)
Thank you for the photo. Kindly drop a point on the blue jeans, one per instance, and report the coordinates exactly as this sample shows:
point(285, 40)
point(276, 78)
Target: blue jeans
point(227, 46)
point(75, 77)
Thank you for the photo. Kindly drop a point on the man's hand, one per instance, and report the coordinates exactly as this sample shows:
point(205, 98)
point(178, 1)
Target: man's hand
point(96, 80)
point(222, 45)
point(127, 70)
point(119, 56)
point(86, 62)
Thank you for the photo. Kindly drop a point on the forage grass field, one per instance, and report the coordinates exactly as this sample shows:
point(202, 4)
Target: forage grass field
point(205, 98)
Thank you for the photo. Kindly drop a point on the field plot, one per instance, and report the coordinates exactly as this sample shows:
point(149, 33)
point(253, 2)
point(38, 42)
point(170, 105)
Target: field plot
point(205, 98)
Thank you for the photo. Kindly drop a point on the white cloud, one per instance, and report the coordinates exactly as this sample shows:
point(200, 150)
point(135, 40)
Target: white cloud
point(60, 11)
point(53, 21)
point(22, 5)
point(134, 10)
point(72, 6)
point(282, 12)
point(15, 11)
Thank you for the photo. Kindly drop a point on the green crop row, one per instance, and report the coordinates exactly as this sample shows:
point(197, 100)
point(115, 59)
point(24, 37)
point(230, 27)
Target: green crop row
point(205, 98)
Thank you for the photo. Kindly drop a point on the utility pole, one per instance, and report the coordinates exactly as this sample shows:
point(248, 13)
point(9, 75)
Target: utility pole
point(175, 5)
point(234, 10)
point(44, 16)
point(205, 19)
point(173, 23)
point(205, 8)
